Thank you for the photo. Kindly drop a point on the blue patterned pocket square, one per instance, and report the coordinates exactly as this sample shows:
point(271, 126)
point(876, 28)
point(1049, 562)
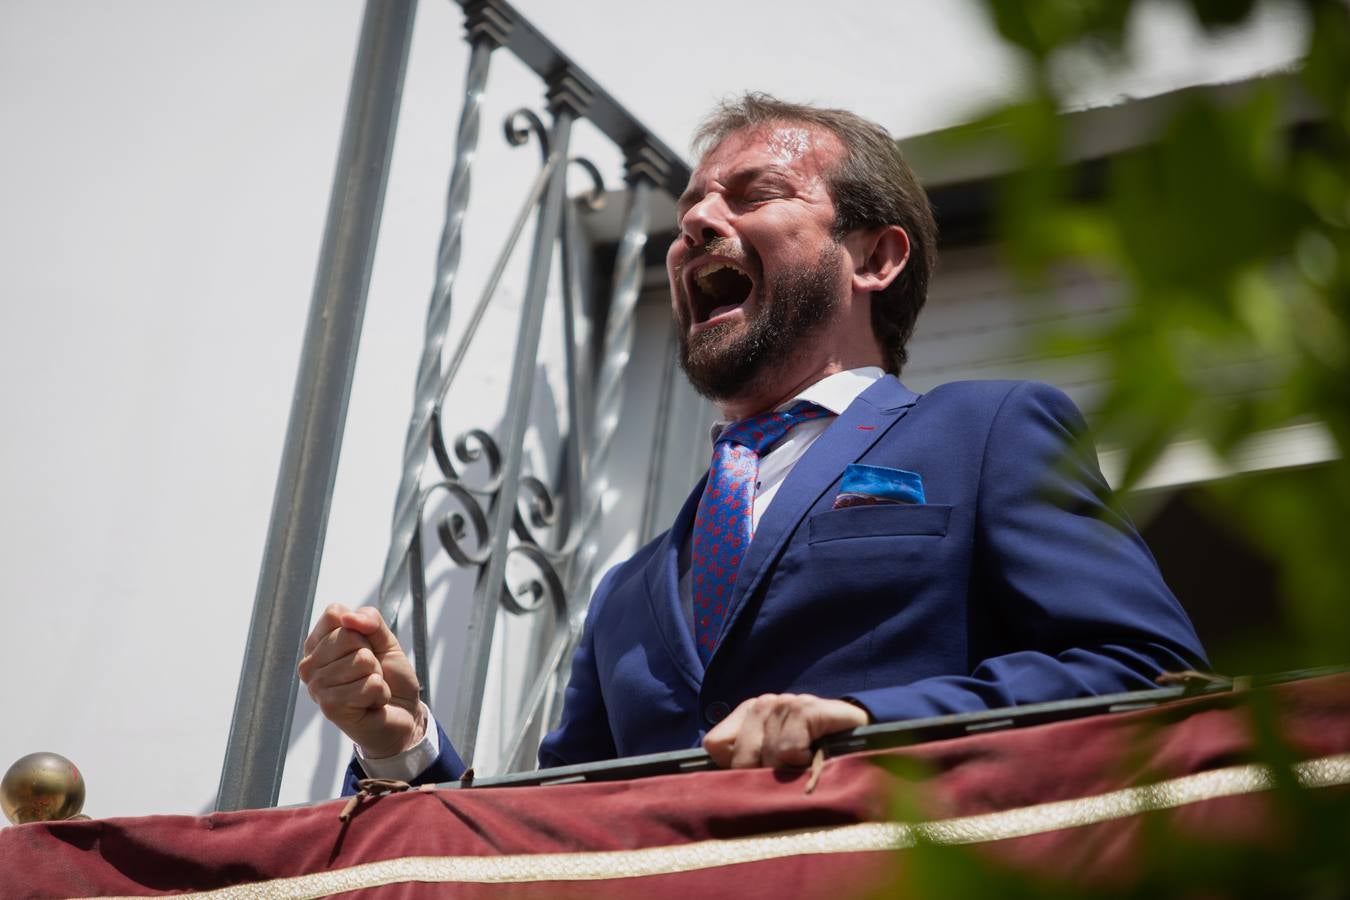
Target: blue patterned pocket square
point(867, 485)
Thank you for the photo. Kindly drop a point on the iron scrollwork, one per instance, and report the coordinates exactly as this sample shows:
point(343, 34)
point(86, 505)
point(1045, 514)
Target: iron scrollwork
point(461, 508)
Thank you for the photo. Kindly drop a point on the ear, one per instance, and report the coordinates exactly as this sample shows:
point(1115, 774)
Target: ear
point(879, 257)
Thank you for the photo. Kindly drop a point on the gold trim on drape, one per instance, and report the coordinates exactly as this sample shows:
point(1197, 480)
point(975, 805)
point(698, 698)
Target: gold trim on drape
point(867, 837)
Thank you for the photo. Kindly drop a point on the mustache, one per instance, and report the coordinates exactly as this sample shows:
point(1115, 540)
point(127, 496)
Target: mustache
point(727, 248)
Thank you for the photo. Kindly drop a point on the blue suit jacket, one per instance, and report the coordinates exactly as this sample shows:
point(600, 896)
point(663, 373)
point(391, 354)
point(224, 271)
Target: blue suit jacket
point(1014, 583)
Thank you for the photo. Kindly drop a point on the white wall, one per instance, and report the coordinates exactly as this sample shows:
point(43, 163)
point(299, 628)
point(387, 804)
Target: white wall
point(164, 174)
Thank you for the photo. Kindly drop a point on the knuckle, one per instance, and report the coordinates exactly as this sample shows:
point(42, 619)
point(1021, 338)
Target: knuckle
point(374, 690)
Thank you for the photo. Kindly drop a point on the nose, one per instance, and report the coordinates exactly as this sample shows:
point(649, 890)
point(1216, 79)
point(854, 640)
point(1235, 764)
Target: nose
point(705, 221)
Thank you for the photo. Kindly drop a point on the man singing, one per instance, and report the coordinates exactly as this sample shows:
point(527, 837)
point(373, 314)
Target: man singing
point(857, 552)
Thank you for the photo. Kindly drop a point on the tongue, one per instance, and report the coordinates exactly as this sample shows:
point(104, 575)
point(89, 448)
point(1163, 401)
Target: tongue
point(723, 309)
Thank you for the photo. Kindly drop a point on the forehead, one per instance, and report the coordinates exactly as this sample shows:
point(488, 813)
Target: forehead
point(785, 147)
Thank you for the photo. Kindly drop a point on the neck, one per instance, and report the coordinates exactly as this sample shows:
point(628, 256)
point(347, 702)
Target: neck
point(836, 350)
point(763, 398)
point(749, 403)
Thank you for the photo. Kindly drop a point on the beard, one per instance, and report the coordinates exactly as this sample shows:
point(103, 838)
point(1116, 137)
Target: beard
point(726, 360)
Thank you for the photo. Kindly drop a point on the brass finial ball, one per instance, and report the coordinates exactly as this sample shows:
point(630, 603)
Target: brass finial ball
point(42, 787)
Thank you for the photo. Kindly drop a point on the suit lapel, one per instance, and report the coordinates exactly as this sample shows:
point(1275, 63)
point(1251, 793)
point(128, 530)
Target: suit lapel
point(663, 593)
point(845, 441)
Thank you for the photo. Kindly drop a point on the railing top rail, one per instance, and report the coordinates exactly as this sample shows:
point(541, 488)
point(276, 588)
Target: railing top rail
point(899, 734)
point(603, 111)
point(867, 737)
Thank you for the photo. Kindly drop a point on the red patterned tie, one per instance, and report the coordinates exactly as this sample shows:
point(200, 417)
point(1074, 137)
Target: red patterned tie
point(722, 527)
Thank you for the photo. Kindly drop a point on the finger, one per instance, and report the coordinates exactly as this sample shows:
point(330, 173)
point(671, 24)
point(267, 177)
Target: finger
point(332, 646)
point(721, 741)
point(345, 670)
point(748, 751)
point(787, 738)
point(328, 620)
point(397, 669)
point(368, 693)
point(368, 621)
point(832, 716)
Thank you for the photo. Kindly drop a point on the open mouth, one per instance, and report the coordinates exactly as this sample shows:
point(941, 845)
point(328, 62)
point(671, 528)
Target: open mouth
point(718, 288)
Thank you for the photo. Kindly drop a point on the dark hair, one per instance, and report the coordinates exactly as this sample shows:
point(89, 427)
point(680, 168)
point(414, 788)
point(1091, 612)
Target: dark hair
point(871, 186)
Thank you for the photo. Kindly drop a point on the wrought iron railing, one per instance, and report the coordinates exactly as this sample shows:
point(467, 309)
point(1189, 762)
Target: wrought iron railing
point(505, 514)
point(46, 787)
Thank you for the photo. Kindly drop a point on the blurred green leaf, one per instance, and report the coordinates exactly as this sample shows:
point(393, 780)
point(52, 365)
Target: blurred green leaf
point(1229, 240)
point(1042, 26)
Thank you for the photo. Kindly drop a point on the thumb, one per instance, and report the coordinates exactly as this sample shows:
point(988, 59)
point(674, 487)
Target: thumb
point(368, 622)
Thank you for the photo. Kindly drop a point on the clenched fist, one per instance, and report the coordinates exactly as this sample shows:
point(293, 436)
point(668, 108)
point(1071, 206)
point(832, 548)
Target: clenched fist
point(362, 681)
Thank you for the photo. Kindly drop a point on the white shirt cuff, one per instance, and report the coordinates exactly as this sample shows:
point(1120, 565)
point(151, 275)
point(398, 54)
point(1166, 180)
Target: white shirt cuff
point(410, 763)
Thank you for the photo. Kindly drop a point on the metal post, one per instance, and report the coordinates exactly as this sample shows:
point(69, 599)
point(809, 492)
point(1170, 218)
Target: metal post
point(487, 28)
point(646, 168)
point(568, 99)
point(255, 755)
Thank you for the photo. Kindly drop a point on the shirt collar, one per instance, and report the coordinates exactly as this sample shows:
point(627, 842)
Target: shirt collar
point(833, 392)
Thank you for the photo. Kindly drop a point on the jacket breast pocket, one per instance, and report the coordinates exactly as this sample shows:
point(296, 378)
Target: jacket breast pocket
point(881, 520)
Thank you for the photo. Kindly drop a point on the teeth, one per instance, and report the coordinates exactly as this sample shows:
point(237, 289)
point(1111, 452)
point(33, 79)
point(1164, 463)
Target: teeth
point(704, 277)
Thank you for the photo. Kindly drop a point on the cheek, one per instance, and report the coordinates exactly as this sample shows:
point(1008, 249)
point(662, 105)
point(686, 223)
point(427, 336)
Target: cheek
point(782, 233)
point(678, 306)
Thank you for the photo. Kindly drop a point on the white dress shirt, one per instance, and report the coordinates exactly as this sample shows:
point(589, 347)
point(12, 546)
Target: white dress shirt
point(833, 393)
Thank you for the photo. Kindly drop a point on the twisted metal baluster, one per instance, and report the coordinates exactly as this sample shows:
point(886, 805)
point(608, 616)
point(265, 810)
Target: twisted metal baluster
point(487, 30)
point(645, 169)
point(577, 355)
point(516, 135)
point(568, 99)
point(618, 348)
point(573, 472)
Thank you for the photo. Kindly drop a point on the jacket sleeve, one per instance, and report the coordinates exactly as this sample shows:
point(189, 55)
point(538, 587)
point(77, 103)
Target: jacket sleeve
point(447, 766)
point(1079, 602)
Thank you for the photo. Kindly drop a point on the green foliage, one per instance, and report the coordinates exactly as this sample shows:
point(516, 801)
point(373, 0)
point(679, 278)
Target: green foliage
point(1303, 850)
point(1229, 235)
